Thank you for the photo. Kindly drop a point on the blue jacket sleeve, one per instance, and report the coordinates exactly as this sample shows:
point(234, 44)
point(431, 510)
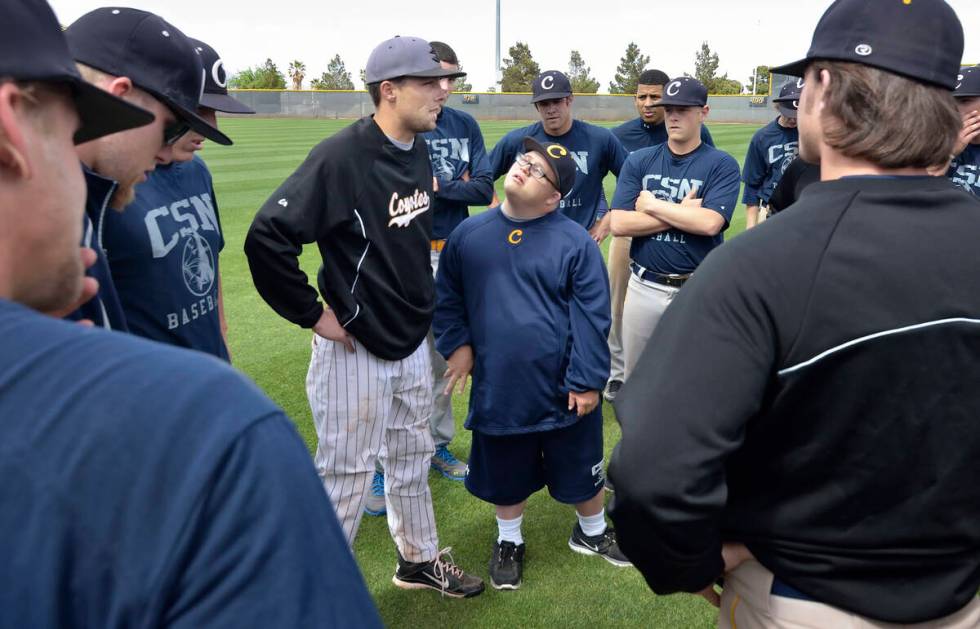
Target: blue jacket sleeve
point(629, 184)
point(265, 548)
point(479, 189)
point(754, 171)
point(706, 136)
point(588, 366)
point(721, 193)
point(450, 324)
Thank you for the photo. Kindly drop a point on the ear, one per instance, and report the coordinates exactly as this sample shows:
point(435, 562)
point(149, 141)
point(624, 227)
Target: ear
point(704, 112)
point(555, 198)
point(14, 160)
point(120, 86)
point(388, 91)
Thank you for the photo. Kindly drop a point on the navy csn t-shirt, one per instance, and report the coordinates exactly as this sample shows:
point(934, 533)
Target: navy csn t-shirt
point(772, 149)
point(964, 171)
point(163, 253)
point(147, 486)
point(596, 152)
point(670, 178)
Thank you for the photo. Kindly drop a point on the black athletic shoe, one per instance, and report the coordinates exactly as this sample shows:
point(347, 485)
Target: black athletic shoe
point(506, 565)
point(612, 388)
point(608, 485)
point(603, 545)
point(439, 574)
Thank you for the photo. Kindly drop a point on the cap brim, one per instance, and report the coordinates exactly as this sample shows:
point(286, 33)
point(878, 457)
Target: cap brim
point(550, 96)
point(677, 102)
point(103, 114)
point(434, 73)
point(797, 68)
point(786, 110)
point(225, 103)
point(530, 144)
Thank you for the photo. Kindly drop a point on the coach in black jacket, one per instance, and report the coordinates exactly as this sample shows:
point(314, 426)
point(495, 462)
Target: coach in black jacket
point(806, 418)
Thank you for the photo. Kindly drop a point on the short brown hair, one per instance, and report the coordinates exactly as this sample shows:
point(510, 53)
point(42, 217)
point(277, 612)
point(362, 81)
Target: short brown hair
point(374, 89)
point(887, 119)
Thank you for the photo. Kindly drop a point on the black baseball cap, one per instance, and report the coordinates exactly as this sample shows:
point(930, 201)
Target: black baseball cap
point(560, 159)
point(550, 85)
point(215, 94)
point(967, 82)
point(33, 48)
point(788, 101)
point(153, 53)
point(405, 57)
point(685, 91)
point(918, 39)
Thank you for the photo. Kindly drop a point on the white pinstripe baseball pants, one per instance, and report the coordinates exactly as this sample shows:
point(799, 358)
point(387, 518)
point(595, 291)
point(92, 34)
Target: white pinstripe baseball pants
point(360, 401)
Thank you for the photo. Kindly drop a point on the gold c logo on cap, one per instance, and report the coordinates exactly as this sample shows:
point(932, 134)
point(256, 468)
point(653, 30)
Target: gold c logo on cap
point(557, 150)
point(515, 237)
point(673, 88)
point(548, 82)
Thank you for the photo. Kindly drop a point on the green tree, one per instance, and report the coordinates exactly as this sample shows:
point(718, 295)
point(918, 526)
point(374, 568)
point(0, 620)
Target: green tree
point(460, 84)
point(761, 78)
point(706, 65)
point(264, 77)
point(579, 75)
point(364, 78)
point(725, 85)
point(631, 66)
point(297, 72)
point(519, 70)
point(335, 78)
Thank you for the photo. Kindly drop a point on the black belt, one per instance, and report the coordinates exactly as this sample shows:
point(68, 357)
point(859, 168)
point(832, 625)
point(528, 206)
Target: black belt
point(781, 588)
point(667, 279)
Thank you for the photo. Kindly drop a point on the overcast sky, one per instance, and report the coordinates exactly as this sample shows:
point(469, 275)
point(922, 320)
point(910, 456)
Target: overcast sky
point(744, 34)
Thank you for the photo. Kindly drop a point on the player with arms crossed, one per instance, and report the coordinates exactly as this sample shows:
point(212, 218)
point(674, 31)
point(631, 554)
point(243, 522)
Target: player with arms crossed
point(675, 200)
point(364, 196)
point(771, 151)
point(596, 151)
point(644, 131)
point(523, 304)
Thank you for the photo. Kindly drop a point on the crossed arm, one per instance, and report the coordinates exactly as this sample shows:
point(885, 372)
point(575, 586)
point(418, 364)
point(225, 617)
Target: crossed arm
point(653, 216)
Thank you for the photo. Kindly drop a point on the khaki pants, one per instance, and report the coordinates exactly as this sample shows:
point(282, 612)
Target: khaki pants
point(645, 305)
point(746, 603)
point(619, 275)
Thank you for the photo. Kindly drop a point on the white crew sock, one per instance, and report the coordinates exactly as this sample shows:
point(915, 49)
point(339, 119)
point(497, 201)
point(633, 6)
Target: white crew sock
point(510, 530)
point(592, 525)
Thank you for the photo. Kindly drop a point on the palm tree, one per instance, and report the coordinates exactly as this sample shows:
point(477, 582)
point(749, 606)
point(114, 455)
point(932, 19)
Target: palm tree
point(297, 71)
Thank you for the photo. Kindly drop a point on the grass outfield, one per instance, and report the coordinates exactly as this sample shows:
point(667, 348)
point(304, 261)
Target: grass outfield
point(560, 588)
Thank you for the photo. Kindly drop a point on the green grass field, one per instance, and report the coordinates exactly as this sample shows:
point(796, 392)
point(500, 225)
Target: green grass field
point(561, 589)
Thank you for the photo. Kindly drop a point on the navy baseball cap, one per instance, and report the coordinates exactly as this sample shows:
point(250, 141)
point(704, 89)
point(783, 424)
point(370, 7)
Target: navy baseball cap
point(405, 57)
point(788, 101)
point(33, 48)
point(550, 85)
point(215, 94)
point(154, 54)
point(561, 162)
point(918, 39)
point(684, 92)
point(967, 82)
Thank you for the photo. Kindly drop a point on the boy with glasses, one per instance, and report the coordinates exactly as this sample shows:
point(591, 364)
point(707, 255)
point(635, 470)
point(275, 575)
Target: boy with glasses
point(538, 357)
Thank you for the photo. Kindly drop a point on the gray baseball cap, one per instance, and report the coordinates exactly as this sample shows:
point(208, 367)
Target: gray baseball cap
point(405, 56)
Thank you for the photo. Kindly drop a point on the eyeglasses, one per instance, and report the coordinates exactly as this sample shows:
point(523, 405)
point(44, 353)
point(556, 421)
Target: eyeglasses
point(536, 170)
point(174, 132)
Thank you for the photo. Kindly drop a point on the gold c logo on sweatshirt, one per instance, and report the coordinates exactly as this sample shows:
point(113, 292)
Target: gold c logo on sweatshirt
point(515, 237)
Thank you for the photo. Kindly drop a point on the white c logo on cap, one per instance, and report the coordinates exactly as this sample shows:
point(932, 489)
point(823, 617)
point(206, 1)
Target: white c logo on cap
point(799, 83)
point(796, 104)
point(218, 73)
point(959, 79)
point(673, 88)
point(548, 82)
point(864, 50)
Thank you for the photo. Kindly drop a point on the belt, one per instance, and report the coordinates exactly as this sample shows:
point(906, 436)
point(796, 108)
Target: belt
point(780, 588)
point(438, 245)
point(667, 279)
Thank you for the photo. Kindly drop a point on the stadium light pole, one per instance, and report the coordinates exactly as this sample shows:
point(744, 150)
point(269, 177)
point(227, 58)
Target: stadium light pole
point(496, 69)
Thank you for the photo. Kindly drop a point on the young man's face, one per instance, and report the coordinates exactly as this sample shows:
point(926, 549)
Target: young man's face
point(450, 66)
point(647, 96)
point(556, 114)
point(808, 118)
point(419, 100)
point(523, 186)
point(192, 141)
point(684, 123)
point(45, 228)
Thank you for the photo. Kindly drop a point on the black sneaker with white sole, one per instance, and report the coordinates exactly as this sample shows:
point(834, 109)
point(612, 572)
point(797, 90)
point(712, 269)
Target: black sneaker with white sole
point(440, 574)
point(612, 388)
point(506, 565)
point(603, 545)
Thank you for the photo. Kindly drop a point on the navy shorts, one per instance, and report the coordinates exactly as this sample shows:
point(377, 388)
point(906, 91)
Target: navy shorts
point(506, 469)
